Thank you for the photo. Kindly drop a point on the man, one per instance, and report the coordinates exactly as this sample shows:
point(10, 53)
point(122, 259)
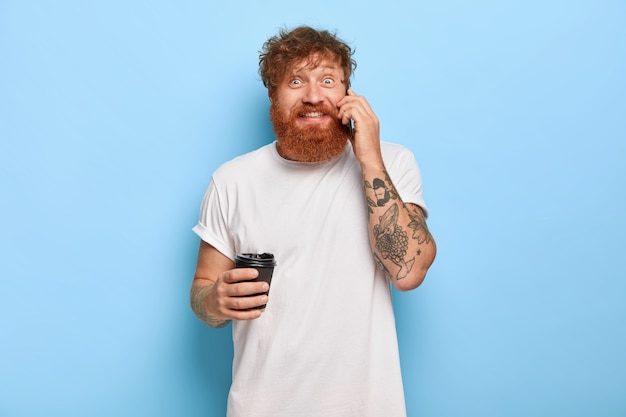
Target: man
point(344, 216)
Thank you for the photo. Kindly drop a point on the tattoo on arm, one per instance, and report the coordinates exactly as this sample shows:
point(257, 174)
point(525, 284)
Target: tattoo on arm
point(197, 297)
point(383, 192)
point(392, 241)
point(419, 227)
point(382, 266)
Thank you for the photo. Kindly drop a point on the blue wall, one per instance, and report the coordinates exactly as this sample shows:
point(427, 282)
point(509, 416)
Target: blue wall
point(114, 114)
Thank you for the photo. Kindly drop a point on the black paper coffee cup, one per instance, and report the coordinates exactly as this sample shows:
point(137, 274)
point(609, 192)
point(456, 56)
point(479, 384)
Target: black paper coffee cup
point(262, 262)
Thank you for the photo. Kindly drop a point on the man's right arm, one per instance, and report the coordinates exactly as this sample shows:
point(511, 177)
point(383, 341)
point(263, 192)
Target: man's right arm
point(220, 293)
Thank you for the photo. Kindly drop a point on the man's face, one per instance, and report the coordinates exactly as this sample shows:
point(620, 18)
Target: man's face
point(304, 111)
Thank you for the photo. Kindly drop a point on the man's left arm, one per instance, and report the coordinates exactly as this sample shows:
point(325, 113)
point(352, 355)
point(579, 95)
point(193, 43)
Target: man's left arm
point(399, 237)
point(401, 242)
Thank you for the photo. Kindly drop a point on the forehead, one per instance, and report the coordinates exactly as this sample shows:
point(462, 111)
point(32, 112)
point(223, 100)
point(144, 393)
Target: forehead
point(313, 62)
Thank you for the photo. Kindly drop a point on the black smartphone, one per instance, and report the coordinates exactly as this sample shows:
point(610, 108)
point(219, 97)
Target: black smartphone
point(350, 123)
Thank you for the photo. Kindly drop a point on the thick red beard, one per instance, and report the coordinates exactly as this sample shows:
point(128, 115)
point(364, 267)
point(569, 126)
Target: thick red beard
point(310, 144)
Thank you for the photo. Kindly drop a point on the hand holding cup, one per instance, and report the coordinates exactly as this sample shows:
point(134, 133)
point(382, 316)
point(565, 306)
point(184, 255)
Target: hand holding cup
point(264, 263)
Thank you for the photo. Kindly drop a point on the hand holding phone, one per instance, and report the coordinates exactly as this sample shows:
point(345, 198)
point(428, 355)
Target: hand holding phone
point(356, 113)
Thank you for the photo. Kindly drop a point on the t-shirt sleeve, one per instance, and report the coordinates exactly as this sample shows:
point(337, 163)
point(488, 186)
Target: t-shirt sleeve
point(407, 178)
point(212, 224)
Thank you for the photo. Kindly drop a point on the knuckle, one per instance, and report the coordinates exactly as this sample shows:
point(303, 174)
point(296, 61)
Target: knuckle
point(240, 303)
point(221, 290)
point(221, 305)
point(237, 291)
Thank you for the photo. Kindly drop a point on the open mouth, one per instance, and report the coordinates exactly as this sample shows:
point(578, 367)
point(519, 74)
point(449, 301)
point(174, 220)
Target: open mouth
point(312, 115)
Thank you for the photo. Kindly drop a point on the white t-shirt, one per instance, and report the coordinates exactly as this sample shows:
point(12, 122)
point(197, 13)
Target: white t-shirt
point(326, 345)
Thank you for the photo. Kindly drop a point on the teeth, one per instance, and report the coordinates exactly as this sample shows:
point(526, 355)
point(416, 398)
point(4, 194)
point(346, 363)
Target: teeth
point(313, 114)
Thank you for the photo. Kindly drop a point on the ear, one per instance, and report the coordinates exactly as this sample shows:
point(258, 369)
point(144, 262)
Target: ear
point(269, 95)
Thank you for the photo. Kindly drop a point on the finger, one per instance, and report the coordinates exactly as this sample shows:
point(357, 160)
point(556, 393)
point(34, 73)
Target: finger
point(364, 106)
point(239, 275)
point(354, 107)
point(236, 304)
point(347, 108)
point(244, 314)
point(346, 99)
point(353, 111)
point(245, 289)
point(361, 100)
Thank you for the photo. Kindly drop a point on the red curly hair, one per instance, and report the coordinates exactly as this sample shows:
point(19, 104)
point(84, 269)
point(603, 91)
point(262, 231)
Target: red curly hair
point(280, 52)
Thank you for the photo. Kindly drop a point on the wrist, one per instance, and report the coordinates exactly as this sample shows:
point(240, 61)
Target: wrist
point(373, 166)
point(201, 306)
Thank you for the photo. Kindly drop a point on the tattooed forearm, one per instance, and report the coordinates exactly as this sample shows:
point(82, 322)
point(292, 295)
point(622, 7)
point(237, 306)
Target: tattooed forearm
point(198, 294)
point(392, 241)
point(383, 191)
point(419, 227)
point(401, 242)
point(382, 266)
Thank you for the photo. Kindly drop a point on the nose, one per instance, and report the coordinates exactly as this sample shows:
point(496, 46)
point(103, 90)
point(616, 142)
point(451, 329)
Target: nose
point(313, 94)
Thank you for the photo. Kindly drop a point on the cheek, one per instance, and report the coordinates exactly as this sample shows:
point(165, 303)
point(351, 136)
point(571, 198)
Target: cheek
point(287, 104)
point(336, 96)
point(287, 96)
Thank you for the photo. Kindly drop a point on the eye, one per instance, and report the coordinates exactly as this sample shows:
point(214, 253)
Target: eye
point(295, 82)
point(328, 81)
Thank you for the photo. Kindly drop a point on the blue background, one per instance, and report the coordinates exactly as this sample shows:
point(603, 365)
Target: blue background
point(114, 114)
